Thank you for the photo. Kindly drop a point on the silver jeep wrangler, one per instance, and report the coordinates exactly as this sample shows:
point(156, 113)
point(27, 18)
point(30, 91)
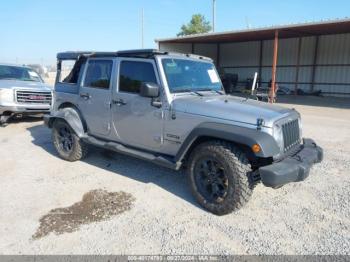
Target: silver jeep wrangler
point(171, 109)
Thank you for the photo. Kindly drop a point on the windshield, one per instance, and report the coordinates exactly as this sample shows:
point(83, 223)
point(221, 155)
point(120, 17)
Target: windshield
point(18, 73)
point(190, 76)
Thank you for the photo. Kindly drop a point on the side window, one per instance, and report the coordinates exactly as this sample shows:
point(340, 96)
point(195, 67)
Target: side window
point(132, 74)
point(98, 74)
point(70, 70)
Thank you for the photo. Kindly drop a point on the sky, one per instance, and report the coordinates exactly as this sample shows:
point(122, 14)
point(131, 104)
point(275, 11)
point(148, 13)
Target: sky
point(33, 31)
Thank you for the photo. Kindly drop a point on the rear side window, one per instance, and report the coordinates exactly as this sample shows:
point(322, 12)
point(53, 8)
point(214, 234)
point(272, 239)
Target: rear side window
point(133, 74)
point(70, 70)
point(98, 74)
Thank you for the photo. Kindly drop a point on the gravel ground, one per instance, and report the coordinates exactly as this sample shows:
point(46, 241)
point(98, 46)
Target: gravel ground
point(312, 217)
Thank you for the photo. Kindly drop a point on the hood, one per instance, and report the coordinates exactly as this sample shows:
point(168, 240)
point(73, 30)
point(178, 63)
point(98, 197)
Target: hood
point(17, 84)
point(230, 108)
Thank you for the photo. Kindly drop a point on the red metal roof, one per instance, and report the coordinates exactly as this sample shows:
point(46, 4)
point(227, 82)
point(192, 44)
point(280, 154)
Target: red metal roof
point(339, 26)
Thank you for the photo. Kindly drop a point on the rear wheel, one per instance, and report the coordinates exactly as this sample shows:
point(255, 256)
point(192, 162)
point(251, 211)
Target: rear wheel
point(67, 143)
point(219, 177)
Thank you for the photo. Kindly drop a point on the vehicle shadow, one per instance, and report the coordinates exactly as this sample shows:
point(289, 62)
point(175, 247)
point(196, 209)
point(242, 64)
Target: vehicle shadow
point(139, 170)
point(24, 119)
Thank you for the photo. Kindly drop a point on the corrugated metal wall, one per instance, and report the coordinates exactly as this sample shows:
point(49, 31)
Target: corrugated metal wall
point(331, 73)
point(208, 50)
point(335, 50)
point(240, 58)
point(182, 48)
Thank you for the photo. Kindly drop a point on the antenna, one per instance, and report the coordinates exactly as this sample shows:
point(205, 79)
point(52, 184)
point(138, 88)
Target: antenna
point(214, 14)
point(142, 28)
point(247, 22)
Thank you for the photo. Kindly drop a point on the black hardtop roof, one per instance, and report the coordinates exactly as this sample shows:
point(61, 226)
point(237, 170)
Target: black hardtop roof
point(137, 53)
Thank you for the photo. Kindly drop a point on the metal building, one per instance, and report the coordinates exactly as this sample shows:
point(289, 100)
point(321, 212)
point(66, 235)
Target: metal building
point(310, 56)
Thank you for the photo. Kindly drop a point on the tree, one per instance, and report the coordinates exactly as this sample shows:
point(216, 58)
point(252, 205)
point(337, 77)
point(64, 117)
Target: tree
point(197, 25)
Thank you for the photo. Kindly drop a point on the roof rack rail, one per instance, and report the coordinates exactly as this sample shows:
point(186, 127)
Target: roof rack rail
point(140, 53)
point(137, 53)
point(144, 53)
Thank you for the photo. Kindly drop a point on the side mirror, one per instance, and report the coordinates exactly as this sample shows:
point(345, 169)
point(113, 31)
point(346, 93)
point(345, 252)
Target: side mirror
point(149, 90)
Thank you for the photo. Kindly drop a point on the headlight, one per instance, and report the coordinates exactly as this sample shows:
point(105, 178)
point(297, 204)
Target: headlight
point(300, 128)
point(52, 100)
point(278, 135)
point(6, 95)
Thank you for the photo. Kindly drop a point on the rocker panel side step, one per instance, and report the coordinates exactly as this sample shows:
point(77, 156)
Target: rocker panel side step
point(119, 148)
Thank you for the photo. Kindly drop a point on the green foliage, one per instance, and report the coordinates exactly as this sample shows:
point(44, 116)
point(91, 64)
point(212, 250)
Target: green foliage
point(197, 25)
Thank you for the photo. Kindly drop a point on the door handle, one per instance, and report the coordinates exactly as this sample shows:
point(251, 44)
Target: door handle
point(118, 102)
point(86, 96)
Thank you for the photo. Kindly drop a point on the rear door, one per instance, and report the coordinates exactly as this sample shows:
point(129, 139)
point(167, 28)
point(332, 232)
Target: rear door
point(95, 96)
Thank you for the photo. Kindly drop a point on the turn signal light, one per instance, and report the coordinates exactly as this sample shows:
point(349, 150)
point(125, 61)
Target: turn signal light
point(256, 148)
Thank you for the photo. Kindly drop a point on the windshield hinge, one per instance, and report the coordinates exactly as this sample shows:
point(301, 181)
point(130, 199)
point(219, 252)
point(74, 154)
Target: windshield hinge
point(259, 123)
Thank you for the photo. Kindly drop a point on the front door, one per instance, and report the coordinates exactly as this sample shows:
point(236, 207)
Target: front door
point(136, 122)
point(95, 96)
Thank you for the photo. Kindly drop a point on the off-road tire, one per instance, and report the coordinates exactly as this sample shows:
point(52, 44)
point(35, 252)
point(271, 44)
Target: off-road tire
point(1, 120)
point(236, 167)
point(79, 149)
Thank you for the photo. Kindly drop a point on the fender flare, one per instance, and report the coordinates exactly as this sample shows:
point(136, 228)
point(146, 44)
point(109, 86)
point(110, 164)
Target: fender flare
point(236, 134)
point(71, 116)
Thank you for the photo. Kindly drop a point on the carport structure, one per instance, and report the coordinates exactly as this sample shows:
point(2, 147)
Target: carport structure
point(310, 56)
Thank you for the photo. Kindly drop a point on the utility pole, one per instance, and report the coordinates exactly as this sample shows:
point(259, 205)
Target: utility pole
point(274, 68)
point(214, 14)
point(142, 28)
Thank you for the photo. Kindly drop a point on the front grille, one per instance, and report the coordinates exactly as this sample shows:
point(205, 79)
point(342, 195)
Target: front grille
point(291, 134)
point(34, 97)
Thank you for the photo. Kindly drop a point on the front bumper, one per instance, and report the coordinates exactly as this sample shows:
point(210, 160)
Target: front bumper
point(25, 108)
point(294, 168)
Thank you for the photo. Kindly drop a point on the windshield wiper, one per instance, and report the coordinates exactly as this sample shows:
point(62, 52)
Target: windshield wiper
point(8, 78)
point(219, 92)
point(209, 89)
point(197, 93)
point(188, 91)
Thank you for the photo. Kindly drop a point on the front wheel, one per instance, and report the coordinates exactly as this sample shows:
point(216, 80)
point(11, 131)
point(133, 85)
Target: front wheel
point(219, 177)
point(4, 119)
point(67, 143)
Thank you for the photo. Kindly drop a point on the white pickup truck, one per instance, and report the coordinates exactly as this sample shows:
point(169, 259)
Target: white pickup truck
point(22, 91)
